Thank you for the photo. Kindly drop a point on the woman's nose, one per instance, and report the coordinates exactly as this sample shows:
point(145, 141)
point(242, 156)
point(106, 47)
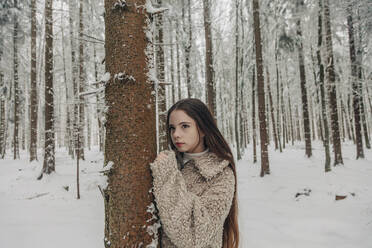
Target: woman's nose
point(176, 133)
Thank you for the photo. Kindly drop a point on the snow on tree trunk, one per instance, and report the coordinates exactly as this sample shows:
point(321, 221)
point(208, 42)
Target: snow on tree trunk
point(265, 168)
point(16, 90)
point(301, 63)
point(331, 77)
point(130, 143)
point(49, 143)
point(82, 78)
point(33, 122)
point(161, 77)
point(354, 78)
point(327, 166)
point(209, 70)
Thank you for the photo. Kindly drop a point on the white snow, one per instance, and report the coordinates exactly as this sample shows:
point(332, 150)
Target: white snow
point(43, 214)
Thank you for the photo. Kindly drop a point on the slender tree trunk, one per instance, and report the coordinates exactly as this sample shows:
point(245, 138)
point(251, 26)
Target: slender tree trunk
point(128, 148)
point(327, 165)
point(284, 120)
point(188, 45)
point(2, 99)
point(49, 148)
point(98, 104)
point(265, 168)
point(209, 70)
point(74, 73)
point(272, 109)
point(178, 61)
point(174, 93)
point(237, 79)
point(359, 59)
point(254, 115)
point(33, 122)
point(82, 78)
point(305, 110)
point(161, 78)
point(278, 99)
point(330, 70)
point(16, 90)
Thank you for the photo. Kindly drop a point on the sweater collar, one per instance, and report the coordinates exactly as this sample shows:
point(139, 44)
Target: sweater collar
point(209, 165)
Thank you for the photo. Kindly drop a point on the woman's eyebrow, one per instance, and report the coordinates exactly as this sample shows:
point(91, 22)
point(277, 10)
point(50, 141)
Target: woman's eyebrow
point(181, 123)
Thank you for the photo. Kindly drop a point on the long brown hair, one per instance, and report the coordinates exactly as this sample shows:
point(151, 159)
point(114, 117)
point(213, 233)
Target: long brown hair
point(216, 143)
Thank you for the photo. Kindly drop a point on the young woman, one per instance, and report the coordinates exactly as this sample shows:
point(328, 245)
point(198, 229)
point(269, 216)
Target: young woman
point(195, 181)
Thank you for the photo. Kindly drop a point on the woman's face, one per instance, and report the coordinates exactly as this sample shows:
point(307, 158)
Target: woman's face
point(184, 133)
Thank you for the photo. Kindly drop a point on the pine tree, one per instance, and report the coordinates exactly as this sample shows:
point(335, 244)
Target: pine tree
point(130, 143)
point(49, 143)
point(265, 168)
point(33, 122)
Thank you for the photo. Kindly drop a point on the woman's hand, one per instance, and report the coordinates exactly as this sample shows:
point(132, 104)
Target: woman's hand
point(161, 157)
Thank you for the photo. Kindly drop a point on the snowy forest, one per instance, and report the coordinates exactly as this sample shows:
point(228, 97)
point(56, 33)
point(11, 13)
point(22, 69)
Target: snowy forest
point(85, 86)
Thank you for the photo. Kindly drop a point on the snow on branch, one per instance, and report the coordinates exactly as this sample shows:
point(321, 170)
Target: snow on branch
point(151, 9)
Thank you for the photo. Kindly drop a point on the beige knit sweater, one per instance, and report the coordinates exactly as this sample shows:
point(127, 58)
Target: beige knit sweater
point(194, 202)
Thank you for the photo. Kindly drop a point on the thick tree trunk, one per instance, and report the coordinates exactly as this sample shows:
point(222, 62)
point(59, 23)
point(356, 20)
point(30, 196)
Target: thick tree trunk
point(33, 97)
point(330, 70)
point(128, 148)
point(265, 169)
point(305, 110)
point(209, 69)
point(49, 143)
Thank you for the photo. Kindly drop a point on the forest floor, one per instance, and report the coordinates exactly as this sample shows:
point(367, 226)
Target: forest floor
point(295, 206)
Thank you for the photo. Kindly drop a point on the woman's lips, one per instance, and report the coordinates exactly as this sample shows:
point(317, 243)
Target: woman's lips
point(179, 144)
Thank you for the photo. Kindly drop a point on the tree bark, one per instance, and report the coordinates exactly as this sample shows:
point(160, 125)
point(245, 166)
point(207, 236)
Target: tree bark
point(2, 99)
point(265, 169)
point(161, 77)
point(209, 69)
point(74, 73)
point(305, 110)
point(330, 70)
point(16, 90)
point(359, 59)
point(82, 78)
point(354, 78)
point(237, 80)
point(33, 97)
point(178, 61)
point(130, 149)
point(49, 144)
point(272, 110)
point(254, 115)
point(327, 165)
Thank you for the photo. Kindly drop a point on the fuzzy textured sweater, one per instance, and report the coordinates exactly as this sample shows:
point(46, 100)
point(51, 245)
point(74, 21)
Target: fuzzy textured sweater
point(194, 201)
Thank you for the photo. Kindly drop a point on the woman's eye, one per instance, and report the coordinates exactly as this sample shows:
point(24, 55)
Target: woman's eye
point(185, 126)
point(171, 128)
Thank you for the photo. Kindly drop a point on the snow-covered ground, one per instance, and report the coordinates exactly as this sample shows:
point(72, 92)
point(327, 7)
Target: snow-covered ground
point(43, 214)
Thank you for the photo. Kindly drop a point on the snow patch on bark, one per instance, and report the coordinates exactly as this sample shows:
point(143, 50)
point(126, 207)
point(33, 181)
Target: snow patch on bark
point(152, 230)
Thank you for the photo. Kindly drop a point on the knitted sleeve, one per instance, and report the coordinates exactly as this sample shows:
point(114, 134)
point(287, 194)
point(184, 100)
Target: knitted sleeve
point(190, 220)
